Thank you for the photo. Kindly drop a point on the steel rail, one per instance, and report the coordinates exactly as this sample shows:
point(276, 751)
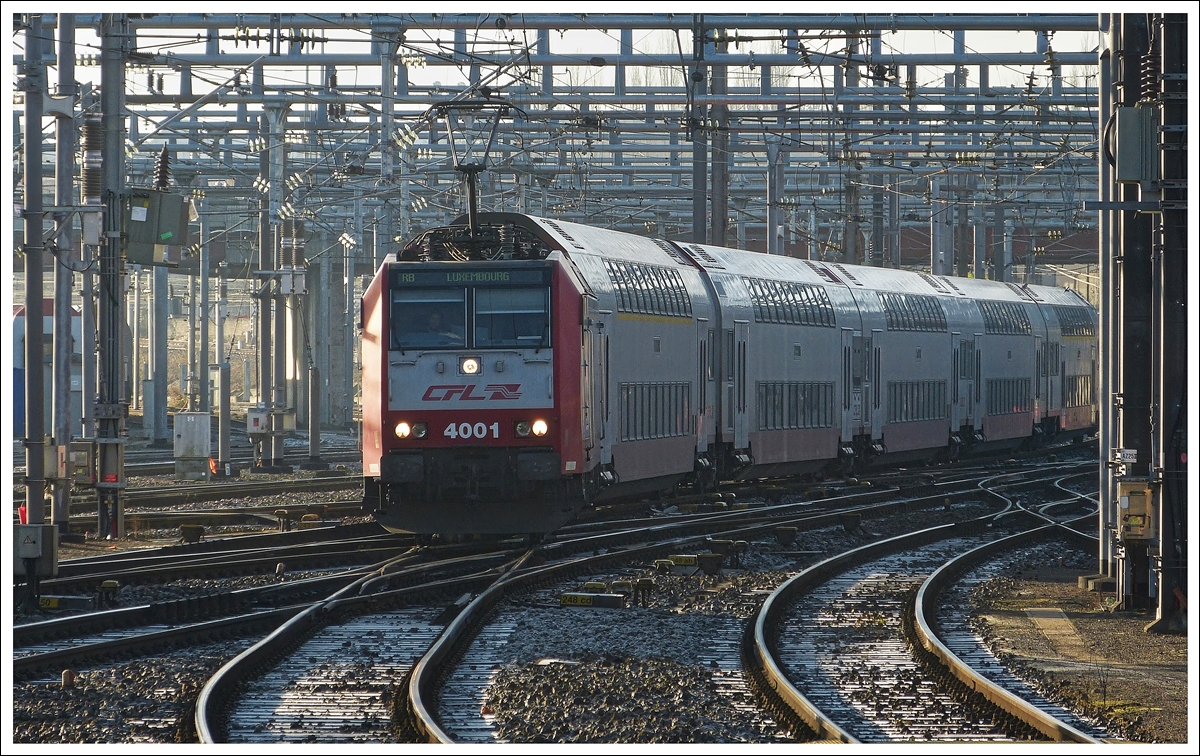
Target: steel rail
point(275, 540)
point(201, 607)
point(926, 600)
point(390, 573)
point(23, 666)
point(210, 565)
point(759, 640)
point(217, 693)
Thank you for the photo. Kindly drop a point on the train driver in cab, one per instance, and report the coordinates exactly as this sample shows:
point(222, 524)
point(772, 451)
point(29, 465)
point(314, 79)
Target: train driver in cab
point(439, 332)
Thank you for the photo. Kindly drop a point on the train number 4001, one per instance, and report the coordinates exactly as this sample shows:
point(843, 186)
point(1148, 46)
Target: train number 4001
point(467, 430)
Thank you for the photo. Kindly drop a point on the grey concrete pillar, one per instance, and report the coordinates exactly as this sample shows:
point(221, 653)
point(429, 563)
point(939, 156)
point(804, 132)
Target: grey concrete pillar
point(223, 388)
point(158, 347)
point(940, 230)
point(64, 279)
point(35, 428)
point(189, 386)
point(979, 237)
point(1006, 252)
point(720, 155)
point(202, 342)
point(775, 157)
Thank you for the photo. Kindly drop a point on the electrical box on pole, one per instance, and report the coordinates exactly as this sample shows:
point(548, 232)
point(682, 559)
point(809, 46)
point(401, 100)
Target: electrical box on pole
point(36, 545)
point(1136, 512)
point(1136, 152)
point(154, 222)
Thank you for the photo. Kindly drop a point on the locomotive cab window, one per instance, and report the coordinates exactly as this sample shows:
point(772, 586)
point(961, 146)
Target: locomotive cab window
point(506, 309)
point(512, 318)
point(429, 318)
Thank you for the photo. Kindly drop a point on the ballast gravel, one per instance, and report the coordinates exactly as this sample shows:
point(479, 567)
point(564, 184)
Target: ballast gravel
point(665, 671)
point(146, 700)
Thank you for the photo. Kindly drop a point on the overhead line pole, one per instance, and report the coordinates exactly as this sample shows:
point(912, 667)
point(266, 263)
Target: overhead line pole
point(699, 135)
point(34, 84)
point(110, 410)
point(64, 277)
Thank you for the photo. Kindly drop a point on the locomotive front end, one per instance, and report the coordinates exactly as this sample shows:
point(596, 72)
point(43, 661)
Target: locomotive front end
point(466, 435)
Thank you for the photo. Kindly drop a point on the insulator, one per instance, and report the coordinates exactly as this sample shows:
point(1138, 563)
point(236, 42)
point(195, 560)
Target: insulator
point(508, 241)
point(91, 181)
point(1151, 69)
point(160, 83)
point(298, 242)
point(285, 244)
point(162, 169)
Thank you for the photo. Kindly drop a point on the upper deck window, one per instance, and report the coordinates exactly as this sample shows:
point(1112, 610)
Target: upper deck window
point(790, 302)
point(1075, 321)
point(649, 289)
point(1007, 318)
point(912, 312)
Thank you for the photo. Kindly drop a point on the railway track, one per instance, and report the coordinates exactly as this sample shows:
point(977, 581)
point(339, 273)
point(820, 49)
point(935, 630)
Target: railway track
point(558, 561)
point(368, 679)
point(190, 493)
point(427, 721)
point(148, 509)
point(212, 724)
point(116, 633)
point(442, 725)
point(847, 650)
point(151, 462)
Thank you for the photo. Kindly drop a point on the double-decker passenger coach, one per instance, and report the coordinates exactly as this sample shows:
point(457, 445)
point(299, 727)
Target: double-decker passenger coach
point(517, 369)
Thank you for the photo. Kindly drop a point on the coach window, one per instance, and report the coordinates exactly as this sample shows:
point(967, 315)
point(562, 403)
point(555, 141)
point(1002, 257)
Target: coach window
point(512, 318)
point(429, 318)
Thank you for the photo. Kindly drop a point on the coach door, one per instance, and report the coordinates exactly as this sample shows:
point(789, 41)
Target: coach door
point(852, 383)
point(588, 391)
point(706, 381)
point(741, 392)
point(964, 381)
point(595, 381)
point(975, 384)
point(860, 366)
point(1041, 377)
point(873, 393)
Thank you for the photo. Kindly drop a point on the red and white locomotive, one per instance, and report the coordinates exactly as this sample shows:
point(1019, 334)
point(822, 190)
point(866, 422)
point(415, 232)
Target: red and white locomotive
point(514, 375)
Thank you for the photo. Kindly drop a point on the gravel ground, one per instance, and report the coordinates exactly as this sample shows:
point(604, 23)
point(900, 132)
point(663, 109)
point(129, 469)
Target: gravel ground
point(148, 700)
point(618, 700)
point(1135, 682)
point(665, 672)
point(656, 674)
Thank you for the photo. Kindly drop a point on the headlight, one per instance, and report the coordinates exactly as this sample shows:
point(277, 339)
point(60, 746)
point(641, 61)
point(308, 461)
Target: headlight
point(469, 365)
point(540, 427)
point(403, 430)
point(420, 429)
point(523, 428)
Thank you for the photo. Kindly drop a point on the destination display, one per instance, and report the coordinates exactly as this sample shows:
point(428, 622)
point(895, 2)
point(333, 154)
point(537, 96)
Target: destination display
point(539, 276)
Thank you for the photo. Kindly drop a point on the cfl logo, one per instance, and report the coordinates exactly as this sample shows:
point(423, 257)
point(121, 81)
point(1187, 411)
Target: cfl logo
point(465, 392)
